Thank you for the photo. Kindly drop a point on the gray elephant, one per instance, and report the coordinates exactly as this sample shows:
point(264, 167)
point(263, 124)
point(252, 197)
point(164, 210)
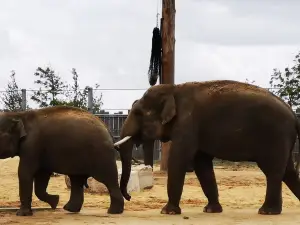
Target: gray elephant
point(225, 119)
point(60, 139)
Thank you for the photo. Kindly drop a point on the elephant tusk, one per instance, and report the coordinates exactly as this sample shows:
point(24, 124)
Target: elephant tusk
point(122, 141)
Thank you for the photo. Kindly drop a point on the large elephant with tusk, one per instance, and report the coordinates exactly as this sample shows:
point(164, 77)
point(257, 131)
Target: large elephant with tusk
point(225, 119)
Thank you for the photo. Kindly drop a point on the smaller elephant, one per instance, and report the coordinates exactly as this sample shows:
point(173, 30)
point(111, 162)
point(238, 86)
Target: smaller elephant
point(64, 140)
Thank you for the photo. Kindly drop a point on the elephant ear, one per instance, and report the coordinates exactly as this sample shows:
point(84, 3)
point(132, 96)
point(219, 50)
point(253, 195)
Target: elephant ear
point(169, 109)
point(19, 126)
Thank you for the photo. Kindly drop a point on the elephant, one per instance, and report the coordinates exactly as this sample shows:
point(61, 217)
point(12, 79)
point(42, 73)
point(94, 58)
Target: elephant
point(223, 119)
point(65, 140)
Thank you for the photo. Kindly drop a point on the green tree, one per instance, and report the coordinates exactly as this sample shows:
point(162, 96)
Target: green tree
point(79, 97)
point(51, 86)
point(12, 97)
point(286, 84)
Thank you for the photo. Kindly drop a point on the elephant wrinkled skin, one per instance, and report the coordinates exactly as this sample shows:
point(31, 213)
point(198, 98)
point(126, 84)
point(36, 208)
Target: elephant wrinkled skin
point(225, 119)
point(64, 140)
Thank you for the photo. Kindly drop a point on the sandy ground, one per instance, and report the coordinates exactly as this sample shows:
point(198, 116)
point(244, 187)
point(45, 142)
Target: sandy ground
point(241, 189)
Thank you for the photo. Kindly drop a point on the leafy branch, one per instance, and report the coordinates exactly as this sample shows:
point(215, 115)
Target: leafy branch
point(286, 84)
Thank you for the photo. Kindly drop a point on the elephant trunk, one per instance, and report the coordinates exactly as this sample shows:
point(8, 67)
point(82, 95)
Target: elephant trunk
point(129, 129)
point(126, 156)
point(148, 152)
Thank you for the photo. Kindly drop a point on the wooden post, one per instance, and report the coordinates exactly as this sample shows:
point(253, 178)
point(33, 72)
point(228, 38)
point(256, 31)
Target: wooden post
point(168, 60)
point(24, 101)
point(90, 100)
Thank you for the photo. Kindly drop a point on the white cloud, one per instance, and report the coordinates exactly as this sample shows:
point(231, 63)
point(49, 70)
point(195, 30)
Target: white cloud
point(109, 41)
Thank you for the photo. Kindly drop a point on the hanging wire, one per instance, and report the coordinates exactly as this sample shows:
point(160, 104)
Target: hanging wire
point(155, 58)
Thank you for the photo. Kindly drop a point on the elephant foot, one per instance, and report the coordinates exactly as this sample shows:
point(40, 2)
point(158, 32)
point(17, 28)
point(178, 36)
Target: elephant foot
point(213, 208)
point(72, 207)
point(170, 209)
point(53, 201)
point(24, 212)
point(115, 210)
point(270, 210)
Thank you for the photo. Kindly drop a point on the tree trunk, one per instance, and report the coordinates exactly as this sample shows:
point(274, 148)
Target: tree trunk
point(168, 60)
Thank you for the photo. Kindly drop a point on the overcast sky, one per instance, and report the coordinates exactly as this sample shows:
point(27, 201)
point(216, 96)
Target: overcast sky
point(109, 41)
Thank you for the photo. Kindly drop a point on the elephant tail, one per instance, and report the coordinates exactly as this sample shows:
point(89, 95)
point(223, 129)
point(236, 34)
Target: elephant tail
point(298, 157)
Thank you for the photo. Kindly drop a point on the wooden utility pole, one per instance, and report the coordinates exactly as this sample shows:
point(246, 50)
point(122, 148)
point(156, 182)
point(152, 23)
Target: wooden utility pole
point(168, 59)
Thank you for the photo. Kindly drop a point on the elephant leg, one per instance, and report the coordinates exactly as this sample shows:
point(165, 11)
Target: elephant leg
point(204, 170)
point(77, 194)
point(110, 179)
point(274, 170)
point(291, 178)
point(116, 198)
point(41, 181)
point(177, 164)
point(26, 173)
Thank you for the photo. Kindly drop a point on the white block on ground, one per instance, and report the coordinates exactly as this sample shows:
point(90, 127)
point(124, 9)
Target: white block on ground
point(141, 177)
point(145, 175)
point(133, 183)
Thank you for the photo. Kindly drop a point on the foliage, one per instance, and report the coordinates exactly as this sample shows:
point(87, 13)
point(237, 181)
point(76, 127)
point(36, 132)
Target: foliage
point(12, 97)
point(51, 86)
point(79, 97)
point(287, 84)
point(249, 82)
point(97, 101)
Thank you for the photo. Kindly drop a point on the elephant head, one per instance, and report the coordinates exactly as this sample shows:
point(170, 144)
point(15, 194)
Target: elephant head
point(11, 131)
point(149, 119)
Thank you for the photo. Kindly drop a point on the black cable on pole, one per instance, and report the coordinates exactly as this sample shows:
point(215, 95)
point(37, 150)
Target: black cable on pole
point(160, 66)
point(156, 53)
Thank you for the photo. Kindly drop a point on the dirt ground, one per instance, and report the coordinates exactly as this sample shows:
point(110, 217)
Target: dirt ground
point(241, 189)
